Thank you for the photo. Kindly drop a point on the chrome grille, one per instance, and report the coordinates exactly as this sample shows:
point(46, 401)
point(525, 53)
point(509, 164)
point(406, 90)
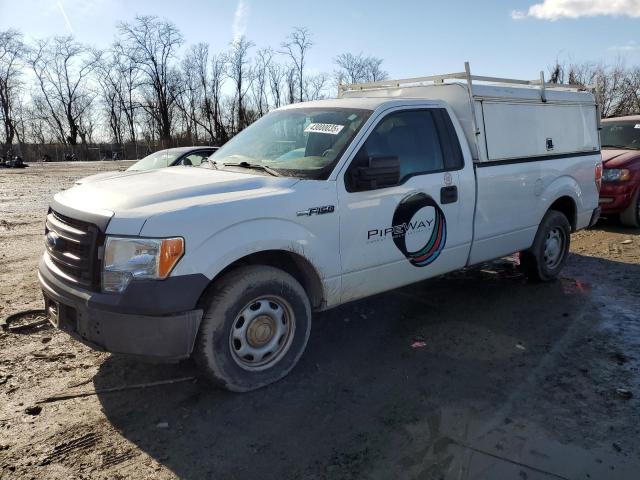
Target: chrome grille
point(72, 246)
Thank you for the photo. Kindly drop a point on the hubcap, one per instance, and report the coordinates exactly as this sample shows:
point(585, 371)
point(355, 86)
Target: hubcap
point(554, 247)
point(262, 333)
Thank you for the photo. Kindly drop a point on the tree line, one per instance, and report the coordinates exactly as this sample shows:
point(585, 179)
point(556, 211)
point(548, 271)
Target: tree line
point(618, 86)
point(150, 90)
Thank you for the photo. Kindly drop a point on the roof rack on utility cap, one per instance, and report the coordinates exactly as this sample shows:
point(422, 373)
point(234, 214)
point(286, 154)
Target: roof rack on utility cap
point(467, 77)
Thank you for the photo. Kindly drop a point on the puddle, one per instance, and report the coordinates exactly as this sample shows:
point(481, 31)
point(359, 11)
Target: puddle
point(463, 444)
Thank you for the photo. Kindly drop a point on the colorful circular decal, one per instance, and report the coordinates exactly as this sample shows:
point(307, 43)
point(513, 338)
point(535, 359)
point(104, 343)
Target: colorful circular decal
point(405, 211)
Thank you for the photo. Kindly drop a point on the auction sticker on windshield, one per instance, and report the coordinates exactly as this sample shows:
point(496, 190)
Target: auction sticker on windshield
point(330, 128)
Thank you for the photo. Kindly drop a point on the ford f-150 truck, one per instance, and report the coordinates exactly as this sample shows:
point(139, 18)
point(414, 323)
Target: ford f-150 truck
point(318, 204)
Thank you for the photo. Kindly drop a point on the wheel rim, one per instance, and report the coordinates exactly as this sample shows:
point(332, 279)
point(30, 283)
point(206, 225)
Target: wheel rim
point(554, 246)
point(262, 333)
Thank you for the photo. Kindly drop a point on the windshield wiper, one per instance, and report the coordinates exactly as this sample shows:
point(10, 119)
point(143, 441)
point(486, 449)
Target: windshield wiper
point(255, 166)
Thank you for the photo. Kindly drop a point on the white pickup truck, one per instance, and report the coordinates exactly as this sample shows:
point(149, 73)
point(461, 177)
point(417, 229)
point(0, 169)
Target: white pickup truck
point(318, 204)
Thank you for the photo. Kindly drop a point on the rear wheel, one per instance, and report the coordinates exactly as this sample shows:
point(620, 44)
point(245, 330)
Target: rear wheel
point(631, 216)
point(255, 328)
point(548, 254)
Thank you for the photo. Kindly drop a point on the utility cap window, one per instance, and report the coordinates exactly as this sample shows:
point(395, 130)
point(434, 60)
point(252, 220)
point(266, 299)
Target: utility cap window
point(411, 142)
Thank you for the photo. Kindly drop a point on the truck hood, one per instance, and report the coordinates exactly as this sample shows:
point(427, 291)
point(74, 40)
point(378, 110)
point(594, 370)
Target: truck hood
point(103, 176)
point(615, 158)
point(140, 195)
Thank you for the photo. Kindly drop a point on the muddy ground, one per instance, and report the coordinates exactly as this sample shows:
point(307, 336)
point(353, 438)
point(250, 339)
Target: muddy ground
point(507, 379)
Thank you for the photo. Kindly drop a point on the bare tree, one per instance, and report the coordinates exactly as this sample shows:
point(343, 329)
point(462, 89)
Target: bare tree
point(218, 70)
point(350, 67)
point(151, 44)
point(261, 80)
point(109, 96)
point(114, 76)
point(62, 68)
point(36, 128)
point(630, 103)
point(240, 73)
point(611, 82)
point(87, 127)
point(373, 71)
point(191, 96)
point(290, 81)
point(358, 68)
point(315, 86)
point(296, 46)
point(556, 72)
point(128, 80)
point(12, 50)
point(139, 90)
point(277, 74)
point(618, 87)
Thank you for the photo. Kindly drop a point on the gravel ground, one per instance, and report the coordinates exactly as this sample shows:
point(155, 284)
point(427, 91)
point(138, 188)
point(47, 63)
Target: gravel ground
point(477, 374)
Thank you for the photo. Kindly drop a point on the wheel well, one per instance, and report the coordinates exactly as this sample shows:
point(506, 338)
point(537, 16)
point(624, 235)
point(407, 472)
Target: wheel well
point(295, 265)
point(567, 207)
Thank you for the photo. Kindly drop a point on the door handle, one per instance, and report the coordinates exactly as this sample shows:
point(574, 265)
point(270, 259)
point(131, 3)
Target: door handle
point(448, 195)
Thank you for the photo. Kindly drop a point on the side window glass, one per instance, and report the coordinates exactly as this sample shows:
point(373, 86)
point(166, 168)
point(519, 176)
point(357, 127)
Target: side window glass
point(410, 136)
point(453, 159)
point(195, 159)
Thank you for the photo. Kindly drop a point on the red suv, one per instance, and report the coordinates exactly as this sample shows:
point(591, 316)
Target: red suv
point(620, 193)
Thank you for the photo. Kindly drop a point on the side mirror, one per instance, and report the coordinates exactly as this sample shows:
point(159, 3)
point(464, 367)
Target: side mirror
point(382, 171)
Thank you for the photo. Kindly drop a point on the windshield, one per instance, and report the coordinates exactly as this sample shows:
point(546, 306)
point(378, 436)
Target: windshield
point(160, 159)
point(296, 142)
point(621, 135)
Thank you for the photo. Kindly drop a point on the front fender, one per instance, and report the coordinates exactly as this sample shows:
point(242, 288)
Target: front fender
point(241, 239)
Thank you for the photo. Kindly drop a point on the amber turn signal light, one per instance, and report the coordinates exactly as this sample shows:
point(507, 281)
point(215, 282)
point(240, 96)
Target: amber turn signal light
point(171, 251)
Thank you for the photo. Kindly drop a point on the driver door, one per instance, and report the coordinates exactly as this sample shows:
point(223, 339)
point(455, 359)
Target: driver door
point(412, 230)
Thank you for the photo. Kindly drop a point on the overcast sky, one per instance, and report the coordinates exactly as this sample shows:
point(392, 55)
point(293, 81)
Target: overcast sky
point(415, 37)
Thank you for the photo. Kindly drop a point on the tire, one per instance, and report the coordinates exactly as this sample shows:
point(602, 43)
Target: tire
point(631, 216)
point(254, 330)
point(548, 254)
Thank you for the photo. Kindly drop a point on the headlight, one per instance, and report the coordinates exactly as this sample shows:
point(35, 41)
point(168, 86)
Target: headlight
point(129, 258)
point(616, 175)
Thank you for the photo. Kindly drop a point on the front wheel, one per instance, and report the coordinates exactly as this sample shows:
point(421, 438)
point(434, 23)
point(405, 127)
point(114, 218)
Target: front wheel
point(548, 254)
point(631, 216)
point(255, 328)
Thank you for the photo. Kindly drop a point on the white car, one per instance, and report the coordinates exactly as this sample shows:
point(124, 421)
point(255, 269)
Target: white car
point(315, 205)
point(169, 157)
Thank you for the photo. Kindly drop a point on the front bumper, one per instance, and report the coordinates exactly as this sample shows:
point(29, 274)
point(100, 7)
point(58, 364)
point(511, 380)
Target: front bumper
point(119, 324)
point(615, 197)
point(595, 216)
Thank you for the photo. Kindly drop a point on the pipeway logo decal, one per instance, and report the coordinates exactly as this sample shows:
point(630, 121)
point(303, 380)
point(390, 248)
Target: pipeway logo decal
point(404, 224)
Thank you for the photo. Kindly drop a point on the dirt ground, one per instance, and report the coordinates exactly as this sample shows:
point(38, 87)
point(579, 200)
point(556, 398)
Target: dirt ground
point(476, 375)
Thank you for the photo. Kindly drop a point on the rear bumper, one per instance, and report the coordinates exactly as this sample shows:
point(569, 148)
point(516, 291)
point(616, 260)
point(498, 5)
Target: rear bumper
point(616, 197)
point(101, 325)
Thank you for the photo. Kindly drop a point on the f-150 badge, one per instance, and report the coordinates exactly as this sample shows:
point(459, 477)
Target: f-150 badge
point(316, 211)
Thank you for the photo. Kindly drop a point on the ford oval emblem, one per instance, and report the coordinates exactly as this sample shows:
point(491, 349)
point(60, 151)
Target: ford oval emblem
point(52, 239)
